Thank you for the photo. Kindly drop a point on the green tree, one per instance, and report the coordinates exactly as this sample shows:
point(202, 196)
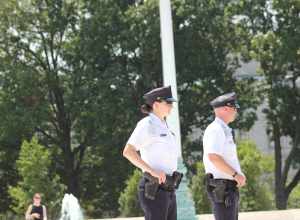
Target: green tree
point(134, 67)
point(62, 76)
point(271, 31)
point(206, 67)
point(38, 94)
point(129, 205)
point(12, 132)
point(8, 172)
point(256, 195)
point(294, 198)
point(34, 165)
point(258, 169)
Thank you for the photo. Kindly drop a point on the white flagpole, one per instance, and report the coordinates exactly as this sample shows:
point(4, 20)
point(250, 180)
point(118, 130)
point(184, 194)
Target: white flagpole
point(186, 209)
point(168, 60)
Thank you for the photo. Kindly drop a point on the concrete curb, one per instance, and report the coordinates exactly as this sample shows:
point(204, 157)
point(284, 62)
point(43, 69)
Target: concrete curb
point(291, 214)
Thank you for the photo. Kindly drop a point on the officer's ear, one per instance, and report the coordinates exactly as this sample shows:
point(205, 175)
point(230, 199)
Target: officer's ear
point(155, 105)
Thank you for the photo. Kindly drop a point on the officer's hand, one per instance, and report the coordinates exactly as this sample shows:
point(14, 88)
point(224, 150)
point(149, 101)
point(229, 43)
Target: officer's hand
point(240, 179)
point(161, 176)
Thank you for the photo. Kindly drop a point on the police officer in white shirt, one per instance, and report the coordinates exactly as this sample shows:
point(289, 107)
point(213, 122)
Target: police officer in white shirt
point(158, 156)
point(222, 167)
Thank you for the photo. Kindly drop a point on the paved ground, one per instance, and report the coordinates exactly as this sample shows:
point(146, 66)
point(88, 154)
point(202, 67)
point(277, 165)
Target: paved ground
point(292, 214)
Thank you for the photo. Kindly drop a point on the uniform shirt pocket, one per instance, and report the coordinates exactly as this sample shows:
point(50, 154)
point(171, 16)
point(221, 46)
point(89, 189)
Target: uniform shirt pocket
point(230, 148)
point(160, 138)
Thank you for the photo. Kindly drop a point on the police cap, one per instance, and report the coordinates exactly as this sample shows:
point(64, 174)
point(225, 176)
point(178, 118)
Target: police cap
point(159, 94)
point(228, 99)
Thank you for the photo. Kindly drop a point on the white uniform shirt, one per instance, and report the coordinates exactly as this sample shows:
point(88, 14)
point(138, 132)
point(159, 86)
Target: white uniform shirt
point(218, 139)
point(156, 143)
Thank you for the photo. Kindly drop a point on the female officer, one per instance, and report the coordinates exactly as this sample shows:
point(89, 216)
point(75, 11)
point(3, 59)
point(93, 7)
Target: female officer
point(158, 154)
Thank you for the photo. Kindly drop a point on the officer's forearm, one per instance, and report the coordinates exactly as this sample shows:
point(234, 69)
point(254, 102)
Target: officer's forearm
point(221, 164)
point(130, 153)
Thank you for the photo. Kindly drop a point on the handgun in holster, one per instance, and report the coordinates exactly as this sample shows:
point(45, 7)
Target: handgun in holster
point(151, 186)
point(177, 177)
point(218, 188)
point(219, 192)
point(172, 182)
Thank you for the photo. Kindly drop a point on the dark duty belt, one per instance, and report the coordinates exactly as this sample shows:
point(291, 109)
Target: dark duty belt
point(171, 183)
point(152, 185)
point(229, 184)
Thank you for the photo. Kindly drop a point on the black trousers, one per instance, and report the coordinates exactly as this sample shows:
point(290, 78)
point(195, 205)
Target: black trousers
point(220, 211)
point(163, 207)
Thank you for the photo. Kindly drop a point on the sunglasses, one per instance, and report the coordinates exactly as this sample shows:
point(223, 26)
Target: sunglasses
point(234, 106)
point(37, 197)
point(169, 102)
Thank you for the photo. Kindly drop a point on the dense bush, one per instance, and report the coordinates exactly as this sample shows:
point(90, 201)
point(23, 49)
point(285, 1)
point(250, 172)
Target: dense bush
point(129, 205)
point(201, 201)
point(294, 199)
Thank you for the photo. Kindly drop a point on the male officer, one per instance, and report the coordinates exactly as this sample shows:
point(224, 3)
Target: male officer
point(222, 167)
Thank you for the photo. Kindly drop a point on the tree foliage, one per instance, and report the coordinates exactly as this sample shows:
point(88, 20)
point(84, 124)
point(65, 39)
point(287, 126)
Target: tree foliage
point(258, 168)
point(294, 198)
point(206, 63)
point(64, 77)
point(271, 31)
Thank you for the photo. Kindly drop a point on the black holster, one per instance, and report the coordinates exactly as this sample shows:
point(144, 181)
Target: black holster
point(172, 182)
point(220, 189)
point(152, 185)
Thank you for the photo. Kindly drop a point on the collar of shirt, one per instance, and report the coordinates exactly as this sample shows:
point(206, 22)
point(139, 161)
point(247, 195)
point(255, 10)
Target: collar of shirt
point(156, 120)
point(226, 128)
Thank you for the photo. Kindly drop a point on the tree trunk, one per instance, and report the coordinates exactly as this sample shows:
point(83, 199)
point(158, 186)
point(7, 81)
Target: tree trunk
point(281, 198)
point(280, 192)
point(71, 174)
